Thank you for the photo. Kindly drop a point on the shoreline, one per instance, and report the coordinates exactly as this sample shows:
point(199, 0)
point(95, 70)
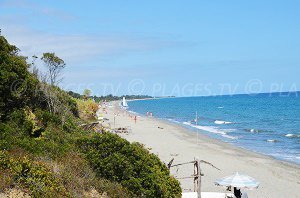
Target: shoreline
point(170, 140)
point(232, 146)
point(191, 129)
point(217, 141)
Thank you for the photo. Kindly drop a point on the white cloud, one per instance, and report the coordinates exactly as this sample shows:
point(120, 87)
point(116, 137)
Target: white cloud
point(22, 30)
point(81, 52)
point(77, 48)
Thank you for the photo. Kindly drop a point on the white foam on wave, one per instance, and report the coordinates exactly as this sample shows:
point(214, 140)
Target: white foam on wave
point(222, 122)
point(230, 137)
point(220, 107)
point(133, 112)
point(292, 135)
point(187, 123)
point(172, 120)
point(212, 129)
point(271, 140)
point(289, 157)
point(253, 130)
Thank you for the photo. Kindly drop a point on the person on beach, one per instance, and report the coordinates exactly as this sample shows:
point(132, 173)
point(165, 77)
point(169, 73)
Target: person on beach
point(237, 192)
point(135, 119)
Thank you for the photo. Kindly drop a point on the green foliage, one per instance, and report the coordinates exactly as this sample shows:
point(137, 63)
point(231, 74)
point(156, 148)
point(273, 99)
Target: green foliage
point(79, 178)
point(42, 120)
point(17, 84)
point(109, 97)
point(72, 105)
point(46, 117)
point(53, 141)
point(74, 95)
point(87, 93)
point(54, 65)
point(34, 176)
point(142, 173)
point(6, 136)
point(14, 129)
point(87, 109)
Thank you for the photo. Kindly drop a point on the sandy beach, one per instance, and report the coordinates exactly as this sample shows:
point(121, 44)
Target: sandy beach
point(277, 179)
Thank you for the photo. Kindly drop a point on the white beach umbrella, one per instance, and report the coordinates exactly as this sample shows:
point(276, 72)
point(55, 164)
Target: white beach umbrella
point(239, 181)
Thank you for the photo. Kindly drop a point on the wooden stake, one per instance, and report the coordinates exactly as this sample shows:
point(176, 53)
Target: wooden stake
point(199, 178)
point(197, 173)
point(195, 177)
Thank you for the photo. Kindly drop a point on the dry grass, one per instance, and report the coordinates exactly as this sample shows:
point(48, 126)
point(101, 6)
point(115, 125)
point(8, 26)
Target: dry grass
point(14, 193)
point(80, 180)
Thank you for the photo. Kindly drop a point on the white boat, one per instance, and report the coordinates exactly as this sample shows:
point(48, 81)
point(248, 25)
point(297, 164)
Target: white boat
point(124, 103)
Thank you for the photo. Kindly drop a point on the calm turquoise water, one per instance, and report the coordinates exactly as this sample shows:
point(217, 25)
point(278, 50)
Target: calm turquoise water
point(265, 123)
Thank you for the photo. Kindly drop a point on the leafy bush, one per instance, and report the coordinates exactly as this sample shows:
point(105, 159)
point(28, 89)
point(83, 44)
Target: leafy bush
point(46, 117)
point(33, 176)
point(87, 109)
point(17, 84)
point(141, 172)
point(53, 142)
point(79, 178)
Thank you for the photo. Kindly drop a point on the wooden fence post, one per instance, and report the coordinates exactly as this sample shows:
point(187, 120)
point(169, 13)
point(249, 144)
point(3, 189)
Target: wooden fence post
point(199, 178)
point(197, 173)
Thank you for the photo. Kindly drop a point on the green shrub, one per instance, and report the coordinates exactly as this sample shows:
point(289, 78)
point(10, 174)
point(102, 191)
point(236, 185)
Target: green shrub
point(17, 84)
point(87, 109)
point(53, 142)
point(73, 106)
point(79, 178)
point(33, 176)
point(46, 117)
point(141, 172)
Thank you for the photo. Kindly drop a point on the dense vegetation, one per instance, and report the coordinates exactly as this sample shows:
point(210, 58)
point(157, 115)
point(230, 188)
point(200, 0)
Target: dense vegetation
point(129, 164)
point(109, 97)
point(37, 177)
point(44, 152)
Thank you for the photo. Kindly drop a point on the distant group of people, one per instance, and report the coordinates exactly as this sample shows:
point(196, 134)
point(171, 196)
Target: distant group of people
point(149, 114)
point(134, 117)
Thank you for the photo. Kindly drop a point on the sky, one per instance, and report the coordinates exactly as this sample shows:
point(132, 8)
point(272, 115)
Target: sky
point(162, 48)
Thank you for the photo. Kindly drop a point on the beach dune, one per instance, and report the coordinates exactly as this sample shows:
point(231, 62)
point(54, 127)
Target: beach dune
point(277, 179)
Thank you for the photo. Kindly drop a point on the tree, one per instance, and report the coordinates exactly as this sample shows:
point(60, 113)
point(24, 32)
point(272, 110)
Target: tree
point(55, 65)
point(87, 93)
point(17, 85)
point(35, 70)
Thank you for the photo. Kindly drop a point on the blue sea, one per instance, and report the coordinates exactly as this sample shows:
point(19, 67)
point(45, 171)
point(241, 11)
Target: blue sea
point(266, 123)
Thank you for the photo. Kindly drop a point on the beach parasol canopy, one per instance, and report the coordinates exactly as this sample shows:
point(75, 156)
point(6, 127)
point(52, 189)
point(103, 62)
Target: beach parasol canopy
point(239, 181)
